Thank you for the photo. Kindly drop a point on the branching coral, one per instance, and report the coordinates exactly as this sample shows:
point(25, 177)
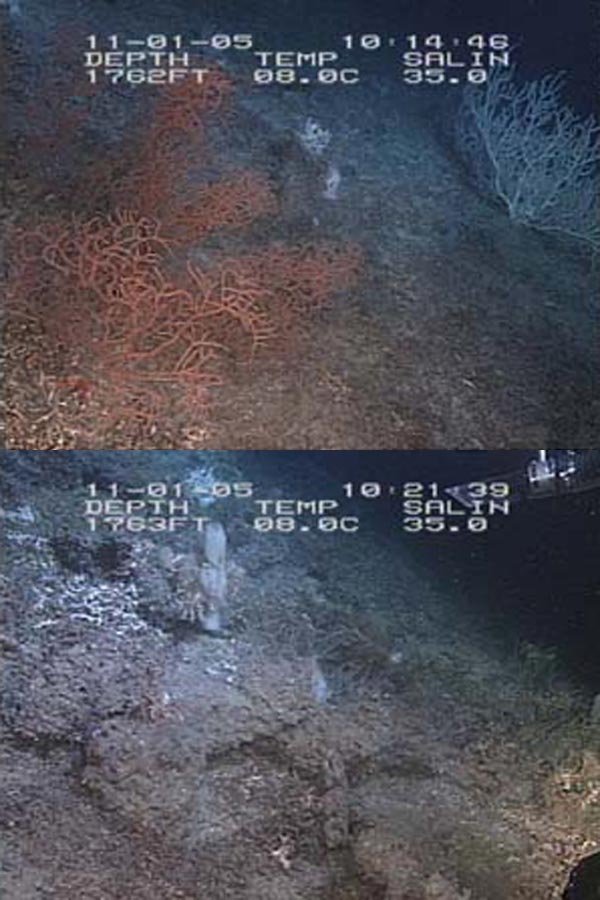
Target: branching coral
point(535, 153)
point(149, 173)
point(295, 281)
point(185, 105)
point(231, 203)
point(146, 331)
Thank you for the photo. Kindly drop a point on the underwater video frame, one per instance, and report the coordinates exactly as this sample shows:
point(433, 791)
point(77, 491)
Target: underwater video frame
point(258, 226)
point(327, 675)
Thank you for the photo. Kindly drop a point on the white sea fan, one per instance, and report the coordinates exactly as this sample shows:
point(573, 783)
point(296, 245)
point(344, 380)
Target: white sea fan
point(201, 482)
point(314, 138)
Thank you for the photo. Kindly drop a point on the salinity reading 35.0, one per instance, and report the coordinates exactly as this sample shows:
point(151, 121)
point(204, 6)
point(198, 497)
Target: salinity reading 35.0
point(428, 507)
